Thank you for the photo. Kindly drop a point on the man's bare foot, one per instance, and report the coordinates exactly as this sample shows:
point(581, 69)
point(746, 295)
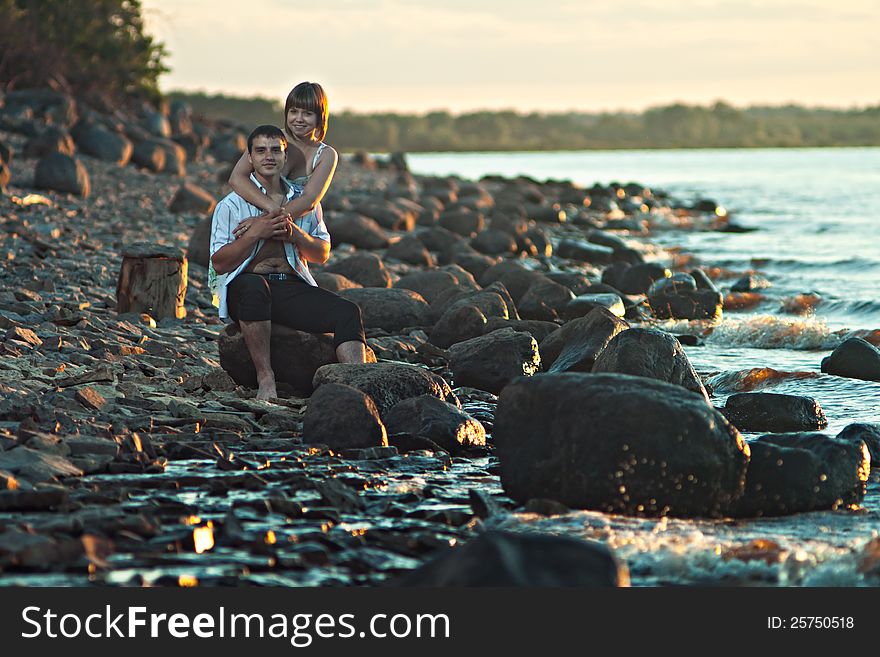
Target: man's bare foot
point(267, 388)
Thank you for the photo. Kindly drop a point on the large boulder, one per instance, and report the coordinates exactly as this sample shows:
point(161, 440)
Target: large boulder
point(103, 144)
point(388, 215)
point(457, 325)
point(797, 472)
point(429, 284)
point(617, 443)
point(639, 278)
point(584, 304)
point(869, 434)
point(357, 230)
point(855, 358)
point(343, 417)
point(494, 242)
point(149, 155)
point(462, 221)
point(516, 278)
point(410, 250)
point(767, 411)
point(429, 417)
point(367, 269)
point(52, 140)
point(538, 329)
point(334, 282)
point(387, 383)
point(296, 356)
point(650, 353)
point(584, 252)
point(575, 346)
point(679, 297)
point(517, 559)
point(544, 300)
point(391, 309)
point(491, 361)
point(192, 199)
point(62, 173)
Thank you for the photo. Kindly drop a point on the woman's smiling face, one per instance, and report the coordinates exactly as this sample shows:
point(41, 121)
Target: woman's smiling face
point(301, 122)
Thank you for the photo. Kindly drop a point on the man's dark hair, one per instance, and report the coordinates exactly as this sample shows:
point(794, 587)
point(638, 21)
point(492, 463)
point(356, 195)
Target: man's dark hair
point(270, 131)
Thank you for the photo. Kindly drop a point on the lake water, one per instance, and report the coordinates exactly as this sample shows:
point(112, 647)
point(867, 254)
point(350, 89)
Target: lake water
point(815, 213)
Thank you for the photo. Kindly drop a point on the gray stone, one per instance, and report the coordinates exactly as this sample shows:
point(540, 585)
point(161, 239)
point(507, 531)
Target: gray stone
point(444, 424)
point(491, 361)
point(343, 417)
point(767, 411)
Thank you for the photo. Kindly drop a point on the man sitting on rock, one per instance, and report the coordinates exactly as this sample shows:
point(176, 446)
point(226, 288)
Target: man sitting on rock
point(260, 269)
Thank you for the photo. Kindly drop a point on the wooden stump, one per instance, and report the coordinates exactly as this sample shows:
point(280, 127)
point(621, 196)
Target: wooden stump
point(152, 280)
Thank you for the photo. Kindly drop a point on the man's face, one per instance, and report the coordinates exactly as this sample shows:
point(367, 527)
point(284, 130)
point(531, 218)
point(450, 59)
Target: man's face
point(267, 155)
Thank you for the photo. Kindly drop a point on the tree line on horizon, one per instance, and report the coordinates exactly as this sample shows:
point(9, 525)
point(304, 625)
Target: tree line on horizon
point(678, 125)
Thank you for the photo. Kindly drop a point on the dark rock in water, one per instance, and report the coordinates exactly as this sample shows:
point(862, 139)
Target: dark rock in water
point(679, 297)
point(102, 143)
point(150, 155)
point(617, 443)
point(650, 353)
point(766, 411)
point(707, 205)
point(387, 383)
point(797, 472)
point(192, 199)
point(391, 309)
point(855, 358)
point(405, 442)
point(463, 221)
point(34, 466)
point(584, 304)
point(428, 417)
point(514, 559)
point(410, 250)
point(430, 284)
point(584, 252)
point(52, 140)
point(343, 417)
point(544, 300)
point(613, 242)
point(199, 248)
point(457, 324)
point(575, 346)
point(702, 280)
point(538, 329)
point(516, 278)
point(750, 283)
point(869, 434)
point(639, 278)
point(491, 361)
point(366, 269)
point(494, 242)
point(296, 356)
point(358, 230)
point(334, 282)
point(62, 173)
point(612, 275)
point(629, 256)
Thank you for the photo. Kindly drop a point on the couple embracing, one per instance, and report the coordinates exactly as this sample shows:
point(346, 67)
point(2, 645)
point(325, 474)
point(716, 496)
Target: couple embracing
point(264, 234)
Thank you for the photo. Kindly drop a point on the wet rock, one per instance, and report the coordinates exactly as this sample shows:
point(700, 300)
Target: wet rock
point(679, 297)
point(544, 300)
point(750, 283)
point(32, 500)
point(462, 221)
point(617, 443)
point(766, 411)
point(62, 173)
point(391, 309)
point(405, 443)
point(651, 353)
point(537, 328)
point(797, 472)
point(520, 559)
point(365, 269)
point(458, 324)
point(357, 230)
point(429, 284)
point(192, 199)
point(334, 282)
point(102, 143)
point(34, 465)
point(855, 358)
point(410, 250)
point(575, 346)
point(444, 424)
point(869, 434)
point(545, 507)
point(584, 304)
point(387, 383)
point(516, 278)
point(491, 361)
point(584, 252)
point(296, 356)
point(639, 278)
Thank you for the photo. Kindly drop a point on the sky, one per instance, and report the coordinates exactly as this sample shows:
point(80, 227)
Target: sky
point(537, 55)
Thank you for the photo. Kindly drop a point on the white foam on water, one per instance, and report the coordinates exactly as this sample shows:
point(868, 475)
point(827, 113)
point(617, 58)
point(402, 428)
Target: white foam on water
point(771, 332)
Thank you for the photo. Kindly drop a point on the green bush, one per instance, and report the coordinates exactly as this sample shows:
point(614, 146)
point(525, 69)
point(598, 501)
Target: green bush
point(88, 47)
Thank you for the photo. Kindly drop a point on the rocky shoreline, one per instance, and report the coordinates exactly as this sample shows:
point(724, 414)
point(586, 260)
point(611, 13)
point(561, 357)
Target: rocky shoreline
point(133, 452)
